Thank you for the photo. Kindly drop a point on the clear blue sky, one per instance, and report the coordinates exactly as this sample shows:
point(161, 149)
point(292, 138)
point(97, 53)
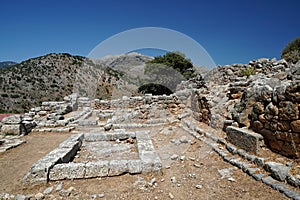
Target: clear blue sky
point(232, 31)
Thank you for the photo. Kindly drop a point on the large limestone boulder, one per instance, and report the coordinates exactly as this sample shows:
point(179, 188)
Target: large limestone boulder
point(16, 119)
point(11, 129)
point(12, 125)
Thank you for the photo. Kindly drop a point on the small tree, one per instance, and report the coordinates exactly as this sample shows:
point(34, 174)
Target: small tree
point(167, 71)
point(175, 60)
point(291, 52)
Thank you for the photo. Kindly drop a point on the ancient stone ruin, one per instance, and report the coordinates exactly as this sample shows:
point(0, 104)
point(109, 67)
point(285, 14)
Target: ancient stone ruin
point(257, 105)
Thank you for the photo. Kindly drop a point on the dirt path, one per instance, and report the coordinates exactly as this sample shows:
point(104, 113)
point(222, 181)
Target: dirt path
point(179, 179)
point(195, 174)
point(15, 163)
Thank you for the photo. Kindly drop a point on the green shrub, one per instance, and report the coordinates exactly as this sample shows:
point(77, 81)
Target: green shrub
point(291, 53)
point(174, 60)
point(166, 72)
point(248, 71)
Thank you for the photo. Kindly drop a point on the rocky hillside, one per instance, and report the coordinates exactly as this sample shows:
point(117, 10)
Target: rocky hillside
point(125, 62)
point(131, 65)
point(51, 77)
point(7, 64)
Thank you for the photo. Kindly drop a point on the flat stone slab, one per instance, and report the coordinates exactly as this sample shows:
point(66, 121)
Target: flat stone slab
point(244, 139)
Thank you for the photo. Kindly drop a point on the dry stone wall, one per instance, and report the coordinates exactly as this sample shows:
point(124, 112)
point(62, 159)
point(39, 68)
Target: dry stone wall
point(275, 115)
point(163, 101)
point(263, 95)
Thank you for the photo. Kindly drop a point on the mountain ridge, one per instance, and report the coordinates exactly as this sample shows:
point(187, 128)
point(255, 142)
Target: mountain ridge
point(5, 64)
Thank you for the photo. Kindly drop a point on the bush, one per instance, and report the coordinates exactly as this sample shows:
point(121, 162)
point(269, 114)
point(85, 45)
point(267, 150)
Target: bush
point(166, 72)
point(248, 71)
point(175, 60)
point(291, 53)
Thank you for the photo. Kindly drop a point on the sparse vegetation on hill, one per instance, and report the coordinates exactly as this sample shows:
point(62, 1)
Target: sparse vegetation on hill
point(51, 77)
point(291, 52)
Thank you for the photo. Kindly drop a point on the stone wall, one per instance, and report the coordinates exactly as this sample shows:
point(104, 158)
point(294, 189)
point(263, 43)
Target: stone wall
point(262, 95)
point(173, 102)
point(13, 125)
point(48, 114)
point(52, 114)
point(201, 107)
point(275, 115)
point(270, 106)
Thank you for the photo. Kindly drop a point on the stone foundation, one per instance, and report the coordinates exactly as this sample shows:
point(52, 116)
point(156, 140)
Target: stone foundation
point(58, 165)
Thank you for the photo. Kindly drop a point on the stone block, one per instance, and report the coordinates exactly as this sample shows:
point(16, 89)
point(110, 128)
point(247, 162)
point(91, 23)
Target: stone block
point(108, 136)
point(278, 170)
point(70, 153)
point(257, 125)
point(288, 111)
point(87, 122)
point(72, 140)
point(244, 139)
point(142, 135)
point(288, 137)
point(96, 169)
point(62, 122)
point(16, 119)
point(290, 149)
point(117, 167)
point(36, 175)
point(283, 126)
point(268, 135)
point(292, 180)
point(150, 162)
point(28, 126)
point(296, 126)
point(258, 108)
point(67, 171)
point(11, 129)
point(42, 113)
point(64, 153)
point(134, 166)
point(145, 145)
point(275, 145)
